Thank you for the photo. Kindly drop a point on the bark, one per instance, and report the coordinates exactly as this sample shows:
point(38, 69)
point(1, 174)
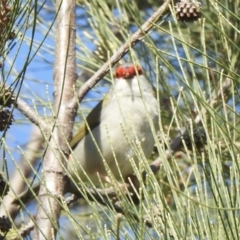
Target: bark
point(54, 179)
point(24, 167)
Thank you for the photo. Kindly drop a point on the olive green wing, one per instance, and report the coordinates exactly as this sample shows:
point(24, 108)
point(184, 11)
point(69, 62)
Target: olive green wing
point(93, 120)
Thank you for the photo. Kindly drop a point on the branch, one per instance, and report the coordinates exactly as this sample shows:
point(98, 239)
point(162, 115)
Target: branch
point(136, 37)
point(26, 229)
point(23, 170)
point(104, 197)
point(57, 149)
point(28, 112)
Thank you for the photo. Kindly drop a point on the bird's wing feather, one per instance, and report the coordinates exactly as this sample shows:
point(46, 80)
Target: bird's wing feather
point(93, 120)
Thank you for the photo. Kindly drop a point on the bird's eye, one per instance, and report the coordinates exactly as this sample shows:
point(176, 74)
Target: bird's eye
point(139, 69)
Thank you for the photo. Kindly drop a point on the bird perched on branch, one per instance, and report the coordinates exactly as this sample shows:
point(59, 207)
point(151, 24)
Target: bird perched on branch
point(116, 130)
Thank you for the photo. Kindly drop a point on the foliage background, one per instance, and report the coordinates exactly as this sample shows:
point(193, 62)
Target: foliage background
point(196, 193)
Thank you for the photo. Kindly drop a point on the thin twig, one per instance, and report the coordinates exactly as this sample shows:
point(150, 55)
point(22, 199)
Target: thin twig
point(135, 38)
point(26, 229)
point(24, 168)
point(28, 112)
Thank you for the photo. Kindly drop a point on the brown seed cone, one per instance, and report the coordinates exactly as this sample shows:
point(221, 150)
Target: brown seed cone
point(188, 10)
point(4, 188)
point(5, 18)
point(6, 119)
point(5, 224)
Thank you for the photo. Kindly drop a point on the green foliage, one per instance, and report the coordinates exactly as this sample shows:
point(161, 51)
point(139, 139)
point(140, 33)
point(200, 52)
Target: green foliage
point(195, 69)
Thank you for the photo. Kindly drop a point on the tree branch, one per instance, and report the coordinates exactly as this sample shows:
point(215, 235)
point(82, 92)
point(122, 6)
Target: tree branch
point(58, 149)
point(135, 38)
point(23, 170)
point(28, 112)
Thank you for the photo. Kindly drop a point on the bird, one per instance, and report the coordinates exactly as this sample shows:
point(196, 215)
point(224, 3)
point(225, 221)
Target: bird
point(109, 138)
